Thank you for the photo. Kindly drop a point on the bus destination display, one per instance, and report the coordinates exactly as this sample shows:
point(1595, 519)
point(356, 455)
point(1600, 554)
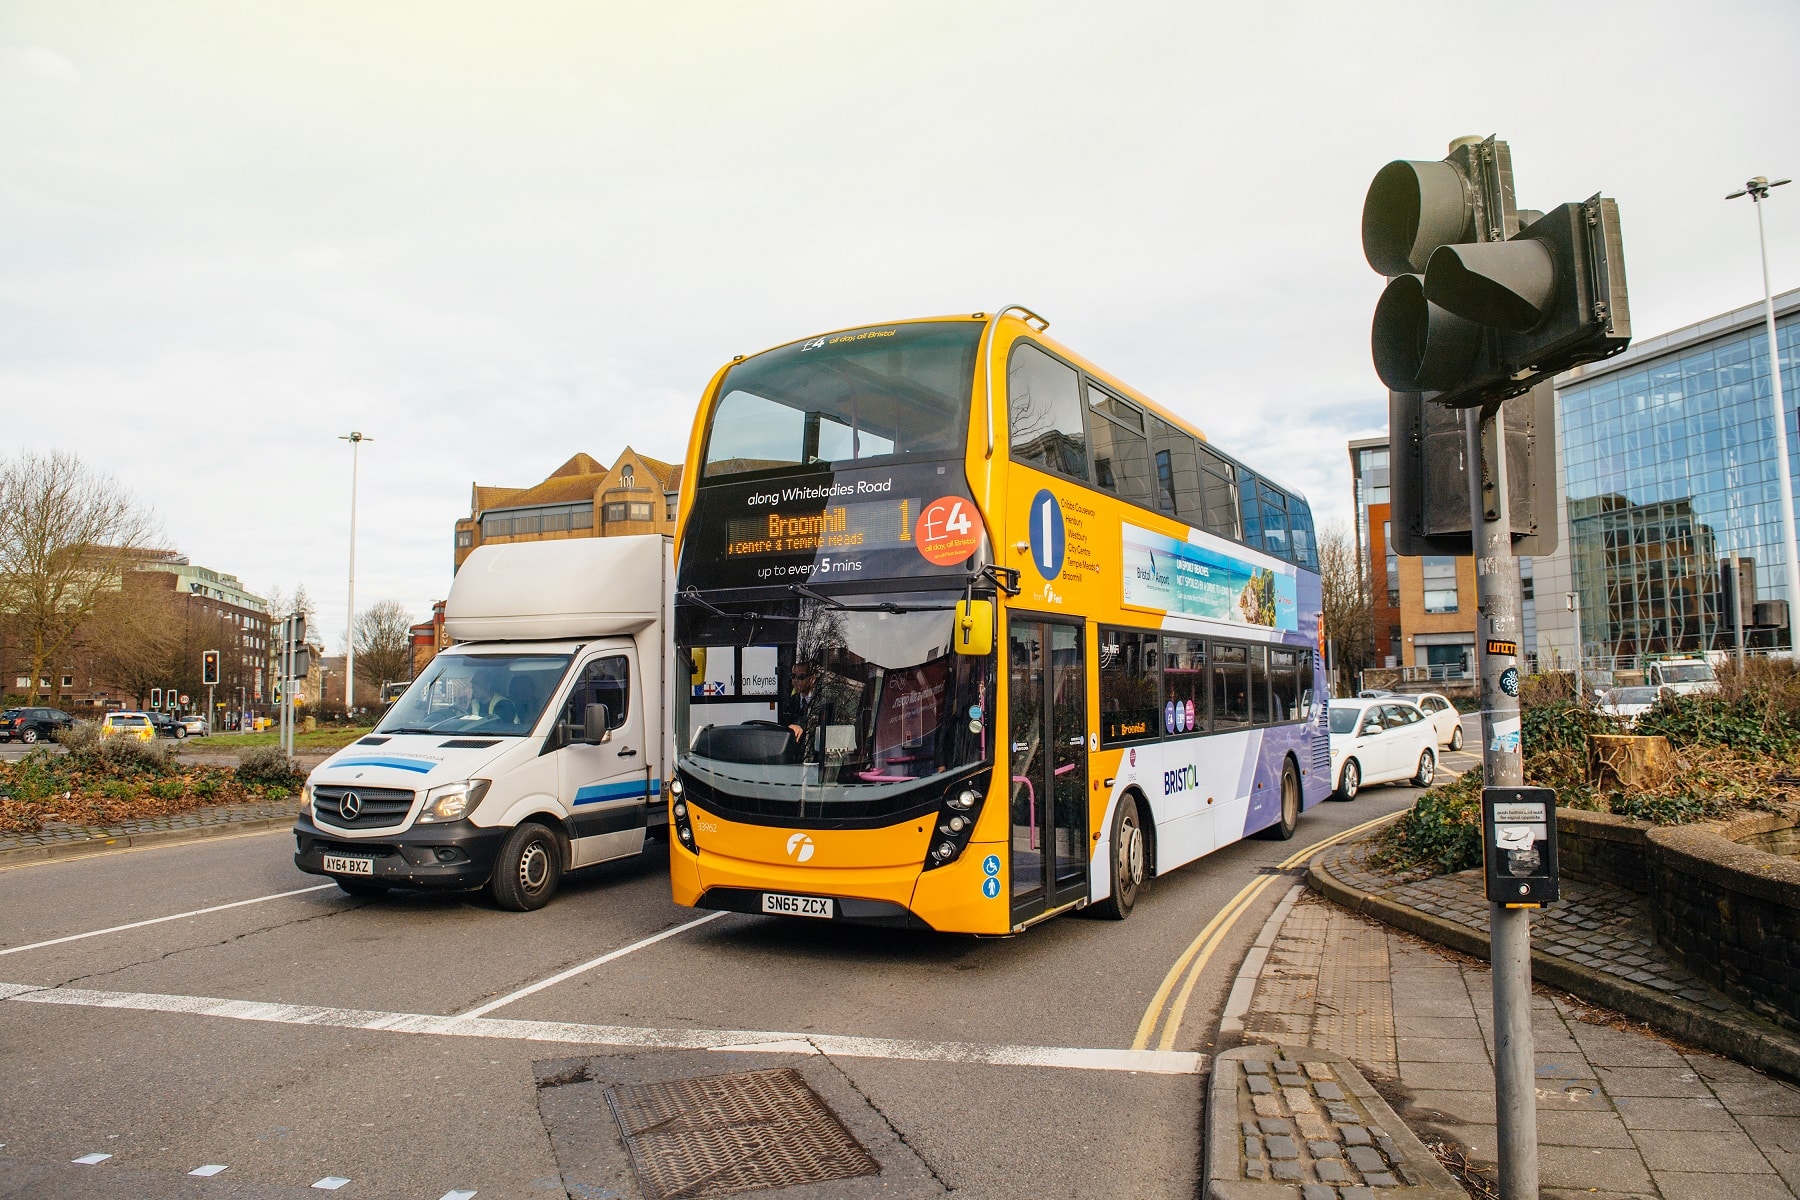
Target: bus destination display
point(865, 525)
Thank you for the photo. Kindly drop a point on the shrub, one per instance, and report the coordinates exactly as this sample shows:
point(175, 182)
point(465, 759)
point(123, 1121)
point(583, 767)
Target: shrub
point(80, 738)
point(269, 765)
point(128, 757)
point(169, 789)
point(1441, 831)
point(1747, 722)
point(206, 787)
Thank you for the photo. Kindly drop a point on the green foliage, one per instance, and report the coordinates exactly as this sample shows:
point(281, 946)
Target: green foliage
point(127, 758)
point(269, 766)
point(207, 786)
point(1562, 725)
point(1442, 830)
point(1745, 722)
point(80, 738)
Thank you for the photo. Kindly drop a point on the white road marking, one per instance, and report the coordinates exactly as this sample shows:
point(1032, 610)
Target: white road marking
point(331, 1183)
point(459, 1194)
point(208, 1171)
point(198, 912)
point(88, 1160)
point(1151, 1062)
point(560, 976)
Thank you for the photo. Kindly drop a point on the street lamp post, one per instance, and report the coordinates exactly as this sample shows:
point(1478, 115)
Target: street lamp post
point(1574, 599)
point(356, 440)
point(1758, 191)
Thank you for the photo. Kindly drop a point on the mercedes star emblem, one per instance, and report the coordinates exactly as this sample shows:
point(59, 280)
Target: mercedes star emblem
point(350, 806)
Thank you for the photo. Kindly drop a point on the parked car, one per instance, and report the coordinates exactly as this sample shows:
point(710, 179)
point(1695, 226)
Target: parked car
point(128, 725)
point(32, 725)
point(1630, 703)
point(166, 725)
point(1443, 715)
point(1381, 740)
point(195, 724)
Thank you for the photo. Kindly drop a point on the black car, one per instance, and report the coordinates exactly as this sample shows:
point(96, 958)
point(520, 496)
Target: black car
point(167, 726)
point(33, 724)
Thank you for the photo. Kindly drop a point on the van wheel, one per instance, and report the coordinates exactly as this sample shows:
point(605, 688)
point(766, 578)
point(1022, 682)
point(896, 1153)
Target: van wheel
point(1284, 829)
point(528, 869)
point(1128, 862)
point(353, 887)
point(1350, 782)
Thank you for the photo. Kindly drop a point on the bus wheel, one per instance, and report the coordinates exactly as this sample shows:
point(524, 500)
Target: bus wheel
point(1127, 862)
point(527, 870)
point(1283, 829)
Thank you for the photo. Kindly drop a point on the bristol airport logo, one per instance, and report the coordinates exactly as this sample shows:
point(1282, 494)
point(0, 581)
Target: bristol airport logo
point(815, 344)
point(800, 847)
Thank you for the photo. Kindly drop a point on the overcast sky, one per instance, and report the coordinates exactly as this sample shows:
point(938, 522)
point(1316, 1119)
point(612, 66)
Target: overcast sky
point(489, 235)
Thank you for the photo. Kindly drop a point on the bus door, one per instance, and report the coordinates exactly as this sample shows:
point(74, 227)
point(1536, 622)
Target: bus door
point(1047, 720)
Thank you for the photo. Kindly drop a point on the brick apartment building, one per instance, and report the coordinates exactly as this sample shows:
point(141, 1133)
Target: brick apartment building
point(581, 498)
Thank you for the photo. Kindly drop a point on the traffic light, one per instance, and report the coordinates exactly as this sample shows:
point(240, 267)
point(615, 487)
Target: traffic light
point(1478, 309)
point(155, 698)
point(209, 667)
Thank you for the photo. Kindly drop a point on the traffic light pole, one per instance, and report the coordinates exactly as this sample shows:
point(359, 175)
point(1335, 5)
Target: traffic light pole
point(1497, 631)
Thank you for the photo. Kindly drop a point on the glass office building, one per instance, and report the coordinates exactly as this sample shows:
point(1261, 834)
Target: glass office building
point(1668, 467)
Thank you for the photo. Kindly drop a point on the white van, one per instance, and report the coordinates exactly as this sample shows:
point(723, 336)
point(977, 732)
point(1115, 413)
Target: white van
point(534, 745)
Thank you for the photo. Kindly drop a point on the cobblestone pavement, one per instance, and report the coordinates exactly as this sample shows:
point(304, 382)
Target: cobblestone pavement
point(1620, 1113)
point(1604, 928)
point(60, 833)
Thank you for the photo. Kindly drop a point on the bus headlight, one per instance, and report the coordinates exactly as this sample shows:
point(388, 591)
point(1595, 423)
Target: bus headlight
point(675, 787)
point(957, 813)
point(452, 801)
point(680, 817)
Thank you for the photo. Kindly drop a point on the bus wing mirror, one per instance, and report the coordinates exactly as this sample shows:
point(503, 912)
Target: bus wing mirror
point(595, 720)
point(974, 627)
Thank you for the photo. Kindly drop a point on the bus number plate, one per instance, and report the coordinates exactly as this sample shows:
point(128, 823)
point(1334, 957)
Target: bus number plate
point(341, 865)
point(797, 906)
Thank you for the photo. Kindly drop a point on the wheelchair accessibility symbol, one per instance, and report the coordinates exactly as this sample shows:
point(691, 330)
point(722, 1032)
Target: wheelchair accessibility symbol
point(990, 865)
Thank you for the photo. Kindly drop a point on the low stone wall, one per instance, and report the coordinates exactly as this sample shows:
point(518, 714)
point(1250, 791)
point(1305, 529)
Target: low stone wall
point(1602, 848)
point(1731, 912)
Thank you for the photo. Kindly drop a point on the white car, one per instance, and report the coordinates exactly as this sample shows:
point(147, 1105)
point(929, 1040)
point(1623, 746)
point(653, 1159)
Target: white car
point(194, 723)
point(1443, 716)
point(1380, 740)
point(1630, 703)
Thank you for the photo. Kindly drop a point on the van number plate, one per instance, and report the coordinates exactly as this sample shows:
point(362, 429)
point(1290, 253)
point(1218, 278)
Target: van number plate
point(797, 906)
point(339, 865)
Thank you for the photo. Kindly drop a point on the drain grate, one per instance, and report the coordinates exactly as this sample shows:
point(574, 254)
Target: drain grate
point(724, 1134)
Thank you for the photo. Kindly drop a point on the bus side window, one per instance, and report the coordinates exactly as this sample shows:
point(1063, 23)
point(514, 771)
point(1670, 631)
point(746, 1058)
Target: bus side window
point(1251, 510)
point(1230, 686)
point(1274, 519)
point(1044, 413)
point(1130, 708)
point(1284, 685)
point(1300, 528)
point(1177, 474)
point(1121, 452)
point(1218, 496)
point(1259, 685)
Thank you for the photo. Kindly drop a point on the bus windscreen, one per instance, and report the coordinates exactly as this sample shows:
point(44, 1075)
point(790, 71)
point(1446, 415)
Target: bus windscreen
point(887, 393)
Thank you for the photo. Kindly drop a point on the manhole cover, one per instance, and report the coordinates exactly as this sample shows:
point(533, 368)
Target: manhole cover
point(733, 1133)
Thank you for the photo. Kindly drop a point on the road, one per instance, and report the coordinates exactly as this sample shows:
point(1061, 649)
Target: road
point(293, 1034)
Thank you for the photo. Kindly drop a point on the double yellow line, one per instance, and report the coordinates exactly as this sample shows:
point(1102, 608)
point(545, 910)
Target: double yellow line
point(1193, 960)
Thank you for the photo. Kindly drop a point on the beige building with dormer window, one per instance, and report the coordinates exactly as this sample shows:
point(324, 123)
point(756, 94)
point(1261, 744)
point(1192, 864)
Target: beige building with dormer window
point(581, 498)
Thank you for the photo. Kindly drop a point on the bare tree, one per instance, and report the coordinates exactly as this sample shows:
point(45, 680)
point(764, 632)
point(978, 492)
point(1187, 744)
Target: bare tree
point(1349, 608)
point(67, 535)
point(384, 642)
point(134, 639)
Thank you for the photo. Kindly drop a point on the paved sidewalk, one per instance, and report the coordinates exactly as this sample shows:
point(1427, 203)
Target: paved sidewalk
point(1620, 1112)
point(1596, 942)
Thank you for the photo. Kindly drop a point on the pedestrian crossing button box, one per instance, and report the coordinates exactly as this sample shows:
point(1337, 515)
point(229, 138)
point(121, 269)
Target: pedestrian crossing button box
point(1518, 844)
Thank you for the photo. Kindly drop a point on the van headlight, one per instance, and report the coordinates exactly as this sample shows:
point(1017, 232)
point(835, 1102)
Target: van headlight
point(452, 801)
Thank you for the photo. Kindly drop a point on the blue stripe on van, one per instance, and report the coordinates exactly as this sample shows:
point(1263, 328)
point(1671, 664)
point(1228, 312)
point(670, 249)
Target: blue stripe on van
point(594, 793)
point(399, 764)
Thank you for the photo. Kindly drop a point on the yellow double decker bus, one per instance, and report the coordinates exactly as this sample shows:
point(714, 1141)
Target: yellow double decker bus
point(974, 634)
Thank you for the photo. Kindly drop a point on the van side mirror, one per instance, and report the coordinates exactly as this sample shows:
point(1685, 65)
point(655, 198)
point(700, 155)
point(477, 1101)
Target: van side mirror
point(595, 723)
point(974, 629)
